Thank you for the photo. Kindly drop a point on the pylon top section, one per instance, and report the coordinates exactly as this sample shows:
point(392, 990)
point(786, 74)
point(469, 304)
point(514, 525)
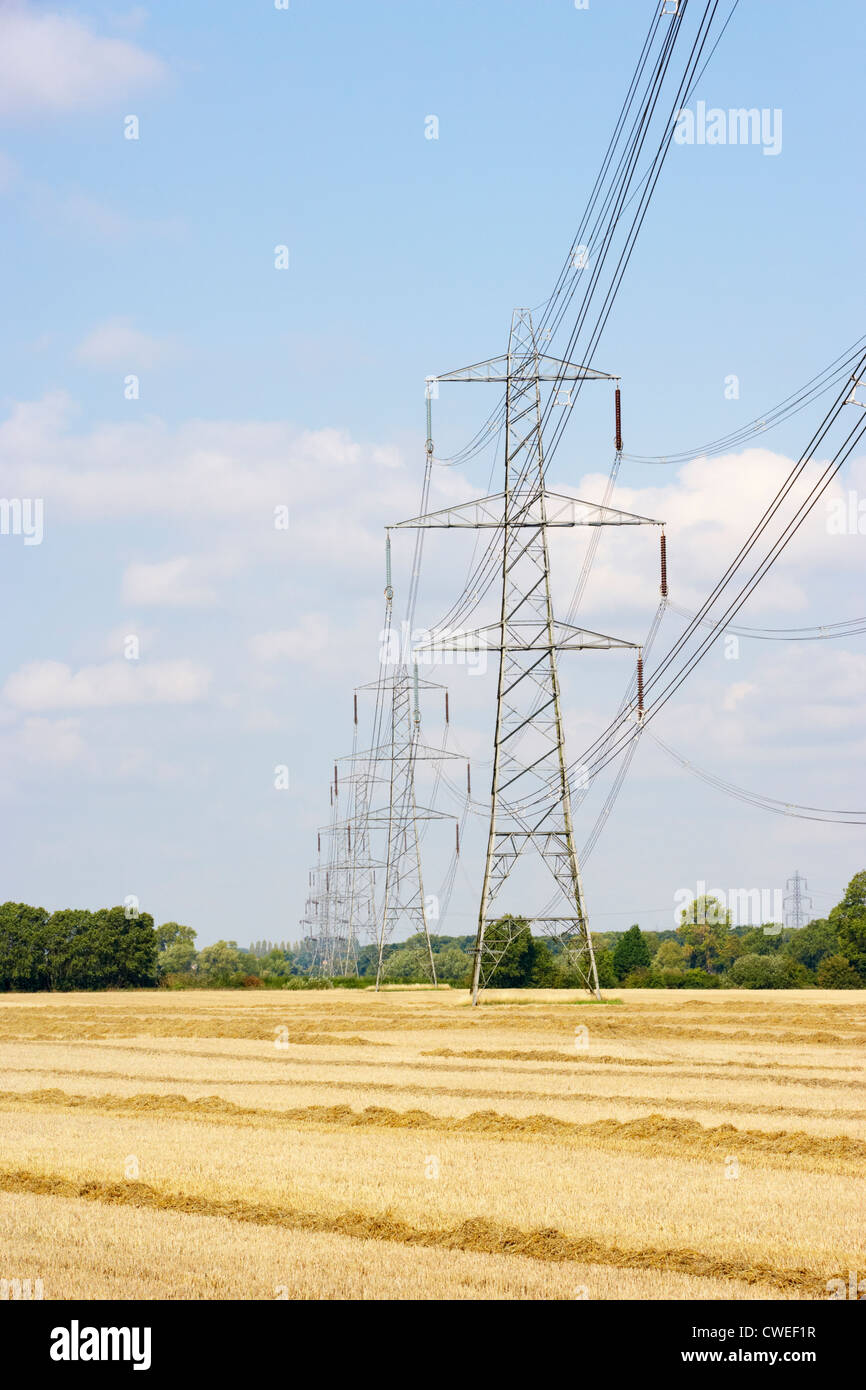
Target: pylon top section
point(532, 634)
point(385, 751)
point(534, 367)
point(541, 508)
point(523, 361)
point(402, 677)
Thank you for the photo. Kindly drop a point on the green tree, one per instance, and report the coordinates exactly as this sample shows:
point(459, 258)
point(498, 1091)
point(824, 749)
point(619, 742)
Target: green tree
point(510, 939)
point(604, 965)
point(543, 973)
point(177, 959)
point(224, 959)
point(757, 942)
point(754, 971)
point(276, 963)
point(631, 952)
point(705, 928)
point(849, 919)
point(23, 947)
point(836, 972)
point(705, 911)
point(454, 966)
point(127, 947)
point(408, 964)
point(669, 956)
point(176, 950)
point(811, 944)
point(108, 949)
point(172, 933)
point(72, 963)
point(525, 962)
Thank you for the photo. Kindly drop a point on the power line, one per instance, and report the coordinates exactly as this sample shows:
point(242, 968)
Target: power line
point(838, 370)
point(818, 632)
point(767, 803)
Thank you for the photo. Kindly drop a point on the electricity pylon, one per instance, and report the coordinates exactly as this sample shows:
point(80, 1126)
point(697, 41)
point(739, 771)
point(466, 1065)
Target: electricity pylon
point(796, 915)
point(323, 910)
point(530, 801)
point(340, 909)
point(361, 870)
point(329, 933)
point(398, 814)
point(314, 913)
point(404, 902)
point(345, 914)
point(351, 905)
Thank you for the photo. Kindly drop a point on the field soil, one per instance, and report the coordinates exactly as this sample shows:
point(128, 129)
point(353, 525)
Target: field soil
point(343, 1144)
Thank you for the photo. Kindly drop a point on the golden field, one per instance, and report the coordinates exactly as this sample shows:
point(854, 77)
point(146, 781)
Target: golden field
point(343, 1144)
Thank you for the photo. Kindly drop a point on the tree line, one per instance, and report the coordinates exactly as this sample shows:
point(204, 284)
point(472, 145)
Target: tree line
point(120, 948)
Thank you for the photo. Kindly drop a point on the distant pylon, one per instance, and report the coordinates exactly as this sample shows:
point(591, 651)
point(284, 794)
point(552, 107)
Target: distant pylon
point(335, 946)
point(530, 804)
point(340, 909)
point(391, 765)
point(313, 914)
point(796, 915)
point(403, 902)
point(361, 871)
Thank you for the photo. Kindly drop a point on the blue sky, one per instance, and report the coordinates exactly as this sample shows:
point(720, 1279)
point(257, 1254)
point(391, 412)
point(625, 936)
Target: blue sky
point(259, 387)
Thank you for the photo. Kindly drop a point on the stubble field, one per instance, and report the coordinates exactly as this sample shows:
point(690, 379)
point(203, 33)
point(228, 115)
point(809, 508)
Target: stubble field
point(338, 1144)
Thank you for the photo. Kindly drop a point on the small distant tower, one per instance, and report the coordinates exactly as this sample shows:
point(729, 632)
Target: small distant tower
point(798, 905)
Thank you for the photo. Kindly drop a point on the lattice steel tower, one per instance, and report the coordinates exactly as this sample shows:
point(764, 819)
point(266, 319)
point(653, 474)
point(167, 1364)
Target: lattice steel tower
point(530, 800)
point(798, 900)
point(397, 815)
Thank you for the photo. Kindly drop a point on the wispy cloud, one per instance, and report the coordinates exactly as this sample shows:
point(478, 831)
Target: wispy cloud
point(117, 343)
point(183, 582)
point(54, 685)
point(52, 62)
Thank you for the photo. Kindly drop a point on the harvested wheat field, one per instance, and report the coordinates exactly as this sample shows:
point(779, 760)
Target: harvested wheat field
point(340, 1144)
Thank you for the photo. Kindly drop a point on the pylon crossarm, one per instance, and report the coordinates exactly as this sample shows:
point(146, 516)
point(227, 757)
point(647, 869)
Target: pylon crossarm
point(478, 514)
point(421, 752)
point(563, 510)
point(388, 684)
point(539, 921)
point(542, 368)
point(559, 510)
point(567, 638)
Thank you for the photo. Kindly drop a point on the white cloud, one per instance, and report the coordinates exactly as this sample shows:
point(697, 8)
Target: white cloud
point(53, 685)
point(180, 583)
point(50, 740)
point(117, 639)
point(238, 472)
point(116, 343)
point(709, 507)
point(318, 645)
point(794, 699)
point(52, 62)
point(309, 639)
point(736, 693)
